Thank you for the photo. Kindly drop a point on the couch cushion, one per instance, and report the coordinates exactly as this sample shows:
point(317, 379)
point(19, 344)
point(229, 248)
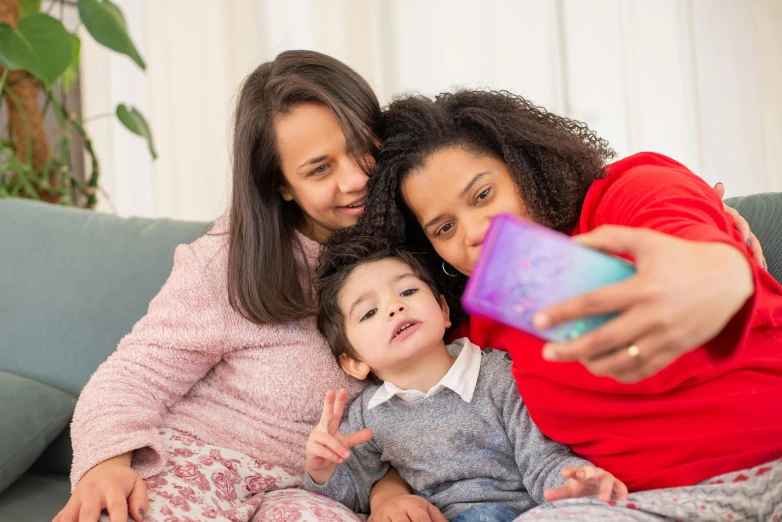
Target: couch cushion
point(34, 497)
point(73, 283)
point(58, 456)
point(764, 214)
point(32, 414)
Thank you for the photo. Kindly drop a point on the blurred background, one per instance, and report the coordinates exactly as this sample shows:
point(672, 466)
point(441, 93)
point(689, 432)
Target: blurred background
point(698, 80)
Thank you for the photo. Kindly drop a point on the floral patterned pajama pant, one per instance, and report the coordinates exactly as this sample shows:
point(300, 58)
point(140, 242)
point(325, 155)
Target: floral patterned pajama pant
point(201, 482)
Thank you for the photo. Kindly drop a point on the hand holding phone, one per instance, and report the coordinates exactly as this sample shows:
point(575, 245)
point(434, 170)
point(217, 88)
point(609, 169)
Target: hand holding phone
point(525, 267)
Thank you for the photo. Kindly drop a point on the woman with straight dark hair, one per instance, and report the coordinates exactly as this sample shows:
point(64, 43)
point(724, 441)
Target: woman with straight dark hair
point(204, 410)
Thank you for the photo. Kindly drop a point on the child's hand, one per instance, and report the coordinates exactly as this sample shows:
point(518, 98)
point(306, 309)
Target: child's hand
point(326, 446)
point(586, 481)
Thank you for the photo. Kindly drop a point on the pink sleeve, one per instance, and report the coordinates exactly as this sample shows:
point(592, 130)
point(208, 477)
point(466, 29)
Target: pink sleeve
point(169, 350)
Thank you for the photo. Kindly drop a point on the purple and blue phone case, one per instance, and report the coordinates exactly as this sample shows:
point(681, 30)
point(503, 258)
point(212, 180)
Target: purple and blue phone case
point(524, 267)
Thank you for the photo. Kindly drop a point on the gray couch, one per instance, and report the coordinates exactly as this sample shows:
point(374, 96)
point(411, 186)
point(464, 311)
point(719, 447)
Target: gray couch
point(72, 283)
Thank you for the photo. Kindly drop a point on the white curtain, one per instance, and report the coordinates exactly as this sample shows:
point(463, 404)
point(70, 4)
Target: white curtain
point(698, 80)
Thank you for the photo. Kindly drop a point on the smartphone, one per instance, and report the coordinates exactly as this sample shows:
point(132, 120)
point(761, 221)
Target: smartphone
point(524, 267)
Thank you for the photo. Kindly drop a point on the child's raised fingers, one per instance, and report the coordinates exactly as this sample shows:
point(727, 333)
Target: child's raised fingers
point(359, 437)
point(562, 492)
point(620, 489)
point(321, 438)
point(570, 471)
point(587, 473)
point(317, 450)
point(606, 487)
point(339, 407)
point(328, 411)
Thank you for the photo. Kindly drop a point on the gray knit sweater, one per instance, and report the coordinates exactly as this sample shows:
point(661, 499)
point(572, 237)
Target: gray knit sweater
point(453, 453)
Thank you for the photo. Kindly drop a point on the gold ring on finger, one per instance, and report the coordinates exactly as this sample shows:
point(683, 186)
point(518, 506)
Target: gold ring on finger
point(635, 352)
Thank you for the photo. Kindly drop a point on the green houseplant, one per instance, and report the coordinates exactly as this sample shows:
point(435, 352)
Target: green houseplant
point(39, 61)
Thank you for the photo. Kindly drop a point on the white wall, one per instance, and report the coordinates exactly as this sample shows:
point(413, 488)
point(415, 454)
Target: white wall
point(695, 79)
point(768, 20)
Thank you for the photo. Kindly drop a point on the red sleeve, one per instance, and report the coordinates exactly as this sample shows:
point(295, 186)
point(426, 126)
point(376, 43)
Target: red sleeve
point(667, 197)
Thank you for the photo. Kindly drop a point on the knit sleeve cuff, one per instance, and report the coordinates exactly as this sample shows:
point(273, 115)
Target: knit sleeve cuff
point(149, 455)
point(339, 487)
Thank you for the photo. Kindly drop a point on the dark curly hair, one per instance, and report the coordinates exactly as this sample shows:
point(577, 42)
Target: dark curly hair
point(553, 161)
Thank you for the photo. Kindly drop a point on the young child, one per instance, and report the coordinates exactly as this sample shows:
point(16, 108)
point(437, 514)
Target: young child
point(448, 418)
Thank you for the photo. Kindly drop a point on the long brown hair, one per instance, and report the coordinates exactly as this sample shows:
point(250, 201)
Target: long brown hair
point(264, 278)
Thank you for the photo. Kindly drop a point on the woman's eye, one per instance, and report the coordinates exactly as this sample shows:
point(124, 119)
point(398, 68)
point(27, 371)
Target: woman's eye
point(409, 292)
point(483, 195)
point(368, 315)
point(443, 229)
point(320, 170)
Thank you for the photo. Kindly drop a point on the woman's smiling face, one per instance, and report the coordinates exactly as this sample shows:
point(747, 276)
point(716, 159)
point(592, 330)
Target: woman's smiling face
point(454, 195)
point(321, 175)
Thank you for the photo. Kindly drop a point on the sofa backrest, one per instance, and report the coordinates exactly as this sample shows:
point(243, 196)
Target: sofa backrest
point(73, 283)
point(764, 214)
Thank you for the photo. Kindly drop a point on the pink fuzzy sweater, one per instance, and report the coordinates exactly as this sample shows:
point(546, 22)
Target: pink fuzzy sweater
point(194, 364)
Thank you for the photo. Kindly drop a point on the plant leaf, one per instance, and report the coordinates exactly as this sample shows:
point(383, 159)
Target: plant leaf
point(15, 52)
point(116, 12)
point(28, 7)
point(72, 72)
point(104, 21)
point(135, 123)
point(40, 46)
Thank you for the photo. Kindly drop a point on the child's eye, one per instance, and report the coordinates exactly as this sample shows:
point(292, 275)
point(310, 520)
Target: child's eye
point(483, 195)
point(368, 315)
point(408, 292)
point(443, 229)
point(320, 170)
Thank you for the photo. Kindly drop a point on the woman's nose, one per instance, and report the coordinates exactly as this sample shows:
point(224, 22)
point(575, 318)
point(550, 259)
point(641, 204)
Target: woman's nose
point(352, 179)
point(475, 232)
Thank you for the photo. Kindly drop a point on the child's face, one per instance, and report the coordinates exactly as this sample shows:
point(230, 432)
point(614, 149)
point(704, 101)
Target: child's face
point(454, 197)
point(391, 317)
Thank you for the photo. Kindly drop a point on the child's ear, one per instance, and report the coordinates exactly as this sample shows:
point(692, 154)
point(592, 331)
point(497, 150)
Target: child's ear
point(446, 311)
point(354, 368)
point(285, 193)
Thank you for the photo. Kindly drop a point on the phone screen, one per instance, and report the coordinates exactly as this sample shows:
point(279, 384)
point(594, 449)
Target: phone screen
point(526, 267)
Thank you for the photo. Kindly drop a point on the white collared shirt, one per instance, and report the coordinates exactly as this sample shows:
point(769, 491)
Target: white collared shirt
point(461, 377)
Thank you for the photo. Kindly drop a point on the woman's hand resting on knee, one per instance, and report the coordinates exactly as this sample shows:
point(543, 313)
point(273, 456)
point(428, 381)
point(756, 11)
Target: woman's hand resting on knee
point(683, 294)
point(111, 485)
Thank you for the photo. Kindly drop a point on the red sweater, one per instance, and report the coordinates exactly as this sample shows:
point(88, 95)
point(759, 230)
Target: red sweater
point(716, 409)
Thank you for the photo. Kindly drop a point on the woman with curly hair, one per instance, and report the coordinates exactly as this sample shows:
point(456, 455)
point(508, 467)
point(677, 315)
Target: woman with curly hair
point(675, 392)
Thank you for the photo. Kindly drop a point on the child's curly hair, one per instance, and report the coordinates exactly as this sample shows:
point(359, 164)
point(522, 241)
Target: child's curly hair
point(553, 161)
